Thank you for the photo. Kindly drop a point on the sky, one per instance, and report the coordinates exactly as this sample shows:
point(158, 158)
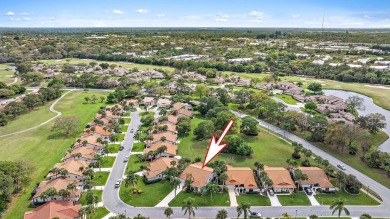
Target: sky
point(196, 13)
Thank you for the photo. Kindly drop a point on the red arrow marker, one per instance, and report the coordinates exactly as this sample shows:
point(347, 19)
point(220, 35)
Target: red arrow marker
point(216, 147)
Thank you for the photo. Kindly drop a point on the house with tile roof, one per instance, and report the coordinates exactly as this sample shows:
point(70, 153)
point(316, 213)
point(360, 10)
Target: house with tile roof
point(58, 184)
point(281, 178)
point(170, 152)
point(241, 179)
point(184, 112)
point(317, 179)
point(92, 141)
point(85, 154)
point(98, 129)
point(55, 209)
point(157, 167)
point(158, 137)
point(148, 101)
point(163, 103)
point(198, 176)
point(74, 168)
point(179, 105)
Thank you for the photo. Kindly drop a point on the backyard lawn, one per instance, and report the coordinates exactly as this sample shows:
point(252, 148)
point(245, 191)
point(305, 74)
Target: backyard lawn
point(297, 199)
point(40, 149)
point(219, 199)
point(107, 161)
point(361, 199)
point(100, 178)
point(286, 98)
point(254, 199)
point(98, 193)
point(153, 193)
point(138, 146)
point(99, 213)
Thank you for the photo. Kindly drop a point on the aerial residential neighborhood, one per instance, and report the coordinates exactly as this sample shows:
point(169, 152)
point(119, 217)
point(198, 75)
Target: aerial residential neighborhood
point(194, 109)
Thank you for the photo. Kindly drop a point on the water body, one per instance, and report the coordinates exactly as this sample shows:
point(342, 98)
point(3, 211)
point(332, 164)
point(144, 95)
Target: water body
point(371, 107)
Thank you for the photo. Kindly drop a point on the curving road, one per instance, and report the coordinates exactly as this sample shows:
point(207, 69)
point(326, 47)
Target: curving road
point(113, 203)
point(43, 123)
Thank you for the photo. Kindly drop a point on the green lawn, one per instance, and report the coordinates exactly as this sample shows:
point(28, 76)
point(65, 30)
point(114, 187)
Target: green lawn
point(100, 178)
point(138, 146)
point(361, 199)
point(113, 148)
point(286, 98)
point(219, 199)
point(42, 151)
point(121, 137)
point(100, 213)
point(134, 164)
point(124, 128)
point(127, 120)
point(107, 161)
point(6, 76)
point(254, 199)
point(126, 114)
point(299, 199)
point(98, 193)
point(267, 148)
point(153, 193)
point(147, 113)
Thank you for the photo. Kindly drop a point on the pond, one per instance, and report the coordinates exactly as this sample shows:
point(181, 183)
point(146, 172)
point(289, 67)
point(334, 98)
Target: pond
point(371, 107)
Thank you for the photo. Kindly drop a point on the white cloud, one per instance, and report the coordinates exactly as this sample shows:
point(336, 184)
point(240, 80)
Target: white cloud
point(142, 11)
point(296, 15)
point(116, 11)
point(221, 19)
point(258, 14)
point(366, 16)
point(26, 14)
point(19, 19)
point(256, 21)
point(160, 15)
point(10, 13)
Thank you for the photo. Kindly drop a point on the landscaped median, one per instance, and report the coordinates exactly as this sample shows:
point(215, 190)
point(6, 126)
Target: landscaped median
point(151, 194)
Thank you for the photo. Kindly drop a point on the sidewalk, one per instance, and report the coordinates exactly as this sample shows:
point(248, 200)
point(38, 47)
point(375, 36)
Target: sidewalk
point(170, 196)
point(313, 200)
point(274, 200)
point(232, 197)
point(102, 169)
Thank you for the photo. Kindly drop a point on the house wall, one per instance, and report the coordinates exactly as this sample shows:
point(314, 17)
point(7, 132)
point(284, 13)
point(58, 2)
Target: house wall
point(283, 190)
point(55, 198)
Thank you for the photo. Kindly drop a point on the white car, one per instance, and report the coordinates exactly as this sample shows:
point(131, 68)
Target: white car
point(126, 159)
point(341, 167)
point(118, 183)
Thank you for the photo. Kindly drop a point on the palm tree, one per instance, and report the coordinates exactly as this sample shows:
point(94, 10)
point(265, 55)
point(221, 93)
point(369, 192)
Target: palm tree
point(168, 212)
point(259, 166)
point(189, 207)
point(175, 183)
point(71, 186)
point(223, 177)
point(64, 193)
point(222, 214)
point(243, 207)
point(338, 205)
point(286, 216)
point(340, 178)
point(131, 179)
point(212, 189)
point(91, 198)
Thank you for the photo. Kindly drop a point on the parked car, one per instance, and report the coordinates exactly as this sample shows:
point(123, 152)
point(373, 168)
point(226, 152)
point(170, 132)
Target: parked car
point(126, 159)
point(255, 215)
point(118, 183)
point(308, 191)
point(132, 130)
point(121, 148)
point(341, 167)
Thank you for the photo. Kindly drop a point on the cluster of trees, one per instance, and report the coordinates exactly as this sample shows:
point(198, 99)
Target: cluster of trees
point(28, 103)
point(8, 91)
point(14, 176)
point(94, 98)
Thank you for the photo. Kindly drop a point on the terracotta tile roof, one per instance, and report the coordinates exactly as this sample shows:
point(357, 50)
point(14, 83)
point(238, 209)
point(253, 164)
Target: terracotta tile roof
point(58, 184)
point(171, 127)
point(171, 148)
point(280, 177)
point(198, 175)
point(316, 175)
point(99, 130)
point(148, 100)
point(168, 135)
point(184, 112)
point(86, 152)
point(73, 166)
point(91, 139)
point(53, 209)
point(172, 119)
point(109, 114)
point(164, 102)
point(241, 175)
point(134, 101)
point(158, 166)
point(178, 105)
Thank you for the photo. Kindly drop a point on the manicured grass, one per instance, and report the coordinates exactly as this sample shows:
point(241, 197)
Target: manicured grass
point(286, 98)
point(126, 114)
point(100, 178)
point(99, 213)
point(298, 199)
point(6, 76)
point(124, 128)
point(153, 193)
point(127, 120)
point(133, 109)
point(147, 113)
point(219, 199)
point(42, 151)
point(114, 148)
point(267, 148)
point(138, 146)
point(121, 137)
point(134, 164)
point(254, 199)
point(107, 161)
point(98, 193)
point(361, 199)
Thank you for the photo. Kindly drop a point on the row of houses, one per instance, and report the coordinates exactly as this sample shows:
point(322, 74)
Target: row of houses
point(78, 158)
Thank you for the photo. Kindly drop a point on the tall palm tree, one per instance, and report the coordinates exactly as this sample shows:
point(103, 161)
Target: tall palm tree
point(131, 179)
point(222, 214)
point(259, 166)
point(340, 178)
point(338, 205)
point(168, 212)
point(212, 188)
point(223, 177)
point(189, 207)
point(243, 207)
point(64, 193)
point(175, 183)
